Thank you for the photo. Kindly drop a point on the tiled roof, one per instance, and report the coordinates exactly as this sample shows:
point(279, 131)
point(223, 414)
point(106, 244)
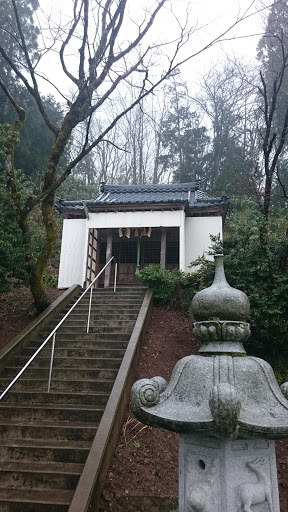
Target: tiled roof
point(135, 194)
point(125, 195)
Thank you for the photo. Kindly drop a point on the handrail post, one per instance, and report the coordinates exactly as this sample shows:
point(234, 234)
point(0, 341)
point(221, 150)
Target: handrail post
point(51, 362)
point(89, 311)
point(115, 276)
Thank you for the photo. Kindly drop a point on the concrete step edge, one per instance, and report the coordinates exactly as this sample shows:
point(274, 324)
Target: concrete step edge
point(68, 468)
point(46, 443)
point(59, 424)
point(41, 497)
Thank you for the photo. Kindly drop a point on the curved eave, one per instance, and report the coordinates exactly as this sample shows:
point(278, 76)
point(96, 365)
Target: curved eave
point(77, 210)
point(176, 424)
point(185, 404)
point(208, 210)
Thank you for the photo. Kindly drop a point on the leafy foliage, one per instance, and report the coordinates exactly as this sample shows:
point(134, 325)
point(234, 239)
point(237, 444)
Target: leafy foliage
point(184, 140)
point(12, 254)
point(33, 144)
point(260, 271)
point(171, 287)
point(9, 37)
point(162, 281)
point(50, 280)
point(263, 274)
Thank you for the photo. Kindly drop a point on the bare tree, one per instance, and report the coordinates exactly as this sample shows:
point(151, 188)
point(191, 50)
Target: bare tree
point(106, 58)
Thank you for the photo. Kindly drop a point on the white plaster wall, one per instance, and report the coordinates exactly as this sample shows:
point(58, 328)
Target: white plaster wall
point(73, 256)
point(134, 219)
point(197, 236)
point(194, 237)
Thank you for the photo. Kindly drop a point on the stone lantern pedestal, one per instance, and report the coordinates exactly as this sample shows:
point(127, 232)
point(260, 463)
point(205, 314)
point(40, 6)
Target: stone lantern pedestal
point(226, 406)
point(222, 475)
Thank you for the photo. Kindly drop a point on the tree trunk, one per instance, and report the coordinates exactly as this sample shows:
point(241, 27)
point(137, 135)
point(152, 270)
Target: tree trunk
point(35, 272)
point(36, 284)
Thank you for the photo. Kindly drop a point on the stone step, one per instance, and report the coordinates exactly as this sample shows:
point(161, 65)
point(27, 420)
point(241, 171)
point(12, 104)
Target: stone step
point(45, 437)
point(52, 398)
point(43, 475)
point(100, 327)
point(103, 305)
point(50, 413)
point(68, 386)
point(97, 320)
point(85, 338)
point(62, 431)
point(62, 373)
point(119, 298)
point(75, 344)
point(103, 292)
point(95, 327)
point(107, 299)
point(74, 352)
point(113, 316)
point(97, 307)
point(71, 362)
point(37, 450)
point(35, 500)
point(77, 316)
point(121, 289)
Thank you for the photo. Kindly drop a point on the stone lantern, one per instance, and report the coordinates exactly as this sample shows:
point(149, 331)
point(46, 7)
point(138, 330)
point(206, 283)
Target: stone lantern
point(226, 406)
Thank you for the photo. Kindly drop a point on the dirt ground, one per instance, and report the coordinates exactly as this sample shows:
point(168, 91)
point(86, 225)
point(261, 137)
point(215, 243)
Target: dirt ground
point(145, 462)
point(16, 311)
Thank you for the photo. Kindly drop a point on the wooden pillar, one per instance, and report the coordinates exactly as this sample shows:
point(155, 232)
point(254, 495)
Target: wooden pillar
point(182, 248)
point(108, 257)
point(97, 268)
point(163, 248)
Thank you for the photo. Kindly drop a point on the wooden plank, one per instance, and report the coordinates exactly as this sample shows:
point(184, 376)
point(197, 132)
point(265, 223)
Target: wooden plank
point(163, 248)
point(108, 257)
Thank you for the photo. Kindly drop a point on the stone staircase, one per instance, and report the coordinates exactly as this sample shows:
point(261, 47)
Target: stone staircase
point(45, 438)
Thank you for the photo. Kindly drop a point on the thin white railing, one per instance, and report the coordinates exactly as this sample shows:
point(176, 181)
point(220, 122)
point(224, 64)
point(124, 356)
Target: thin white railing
point(53, 333)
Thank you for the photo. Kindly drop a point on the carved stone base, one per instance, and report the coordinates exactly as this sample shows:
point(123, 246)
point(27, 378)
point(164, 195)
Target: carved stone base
point(227, 475)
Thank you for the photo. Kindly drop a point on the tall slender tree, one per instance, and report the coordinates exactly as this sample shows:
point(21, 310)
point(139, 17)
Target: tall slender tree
point(184, 141)
point(224, 101)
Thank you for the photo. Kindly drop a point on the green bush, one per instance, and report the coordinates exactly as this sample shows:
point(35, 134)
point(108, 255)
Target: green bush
point(12, 254)
point(50, 280)
point(162, 281)
point(171, 287)
point(261, 271)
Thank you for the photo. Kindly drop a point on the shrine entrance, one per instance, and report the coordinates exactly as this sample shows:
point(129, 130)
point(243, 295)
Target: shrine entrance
point(134, 249)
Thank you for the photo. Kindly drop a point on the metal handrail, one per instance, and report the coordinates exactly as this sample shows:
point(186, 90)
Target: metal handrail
point(53, 333)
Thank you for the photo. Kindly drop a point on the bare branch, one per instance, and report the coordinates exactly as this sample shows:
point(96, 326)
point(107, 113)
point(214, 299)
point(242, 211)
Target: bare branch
point(68, 38)
point(115, 145)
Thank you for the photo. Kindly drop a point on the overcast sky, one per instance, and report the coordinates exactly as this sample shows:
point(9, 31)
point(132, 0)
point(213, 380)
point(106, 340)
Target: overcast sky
point(210, 18)
point(214, 17)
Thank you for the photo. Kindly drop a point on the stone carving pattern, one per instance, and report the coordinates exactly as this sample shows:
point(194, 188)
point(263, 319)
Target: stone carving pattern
point(225, 407)
point(214, 330)
point(256, 493)
point(200, 495)
point(146, 392)
point(284, 389)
